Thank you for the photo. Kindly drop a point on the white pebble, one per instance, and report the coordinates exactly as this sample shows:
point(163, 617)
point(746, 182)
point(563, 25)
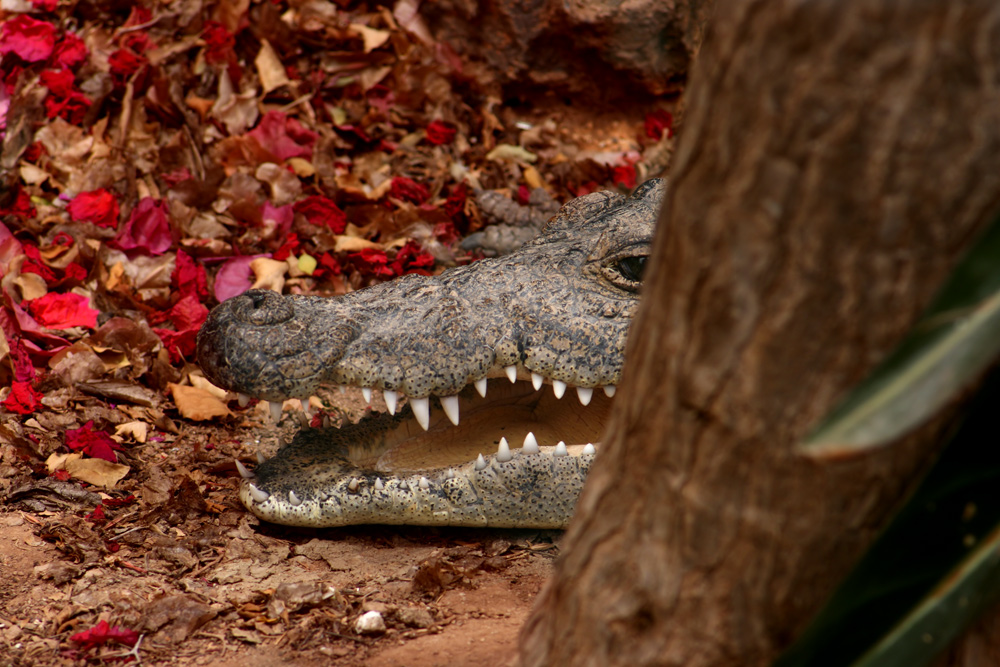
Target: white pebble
point(370, 623)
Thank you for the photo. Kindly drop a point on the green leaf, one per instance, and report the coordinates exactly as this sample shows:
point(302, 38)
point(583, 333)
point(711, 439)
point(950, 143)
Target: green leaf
point(954, 342)
point(933, 570)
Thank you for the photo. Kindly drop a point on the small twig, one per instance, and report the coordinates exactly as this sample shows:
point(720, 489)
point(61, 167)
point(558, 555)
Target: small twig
point(134, 651)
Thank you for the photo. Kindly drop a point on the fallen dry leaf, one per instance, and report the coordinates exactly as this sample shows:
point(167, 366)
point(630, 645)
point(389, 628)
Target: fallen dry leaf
point(96, 471)
point(197, 404)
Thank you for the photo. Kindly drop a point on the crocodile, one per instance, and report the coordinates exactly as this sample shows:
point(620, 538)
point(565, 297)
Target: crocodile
point(482, 356)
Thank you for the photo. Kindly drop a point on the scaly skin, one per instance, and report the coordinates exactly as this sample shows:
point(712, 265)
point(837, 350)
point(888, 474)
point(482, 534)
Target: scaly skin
point(556, 311)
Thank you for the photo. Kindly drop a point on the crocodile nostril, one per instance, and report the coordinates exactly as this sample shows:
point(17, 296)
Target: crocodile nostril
point(257, 298)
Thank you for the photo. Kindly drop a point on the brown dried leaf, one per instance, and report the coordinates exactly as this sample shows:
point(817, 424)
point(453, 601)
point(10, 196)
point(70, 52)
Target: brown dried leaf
point(197, 404)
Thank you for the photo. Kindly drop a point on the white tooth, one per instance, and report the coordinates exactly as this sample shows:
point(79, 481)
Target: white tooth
point(294, 499)
point(481, 386)
point(530, 445)
point(511, 372)
point(242, 469)
point(503, 451)
point(306, 408)
point(275, 411)
point(343, 389)
point(536, 381)
point(243, 400)
point(422, 411)
point(424, 484)
point(561, 449)
point(450, 474)
point(585, 394)
point(367, 393)
point(609, 390)
point(258, 495)
point(379, 486)
point(353, 485)
point(260, 458)
point(480, 463)
point(590, 449)
point(450, 405)
point(558, 388)
point(391, 398)
point(403, 486)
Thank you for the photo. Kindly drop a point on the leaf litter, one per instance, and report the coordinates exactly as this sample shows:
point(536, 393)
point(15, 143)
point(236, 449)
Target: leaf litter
point(158, 159)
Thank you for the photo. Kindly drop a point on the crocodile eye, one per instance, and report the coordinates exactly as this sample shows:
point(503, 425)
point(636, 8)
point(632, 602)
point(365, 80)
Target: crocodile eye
point(631, 267)
point(625, 272)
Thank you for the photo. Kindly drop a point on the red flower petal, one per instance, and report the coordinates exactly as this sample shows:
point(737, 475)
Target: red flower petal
point(32, 40)
point(71, 109)
point(102, 633)
point(23, 398)
point(658, 122)
point(188, 314)
point(97, 444)
point(148, 229)
point(288, 248)
point(98, 206)
point(283, 136)
point(59, 82)
point(624, 175)
point(439, 132)
point(70, 51)
point(189, 277)
point(233, 278)
point(124, 63)
point(63, 311)
point(409, 190)
point(320, 211)
point(219, 43)
point(97, 517)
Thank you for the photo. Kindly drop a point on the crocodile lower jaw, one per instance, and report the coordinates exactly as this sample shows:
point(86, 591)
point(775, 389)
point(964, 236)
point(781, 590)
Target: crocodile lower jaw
point(486, 470)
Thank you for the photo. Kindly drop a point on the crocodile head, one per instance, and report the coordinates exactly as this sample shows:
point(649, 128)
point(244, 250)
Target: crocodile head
point(481, 355)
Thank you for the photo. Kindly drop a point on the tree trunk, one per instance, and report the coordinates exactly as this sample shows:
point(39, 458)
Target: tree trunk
point(836, 159)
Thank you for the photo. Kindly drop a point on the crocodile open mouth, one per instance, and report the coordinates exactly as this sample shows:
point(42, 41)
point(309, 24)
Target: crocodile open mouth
point(514, 424)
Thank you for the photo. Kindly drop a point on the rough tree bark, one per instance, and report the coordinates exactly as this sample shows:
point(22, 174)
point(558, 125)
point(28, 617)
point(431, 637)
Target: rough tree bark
point(837, 157)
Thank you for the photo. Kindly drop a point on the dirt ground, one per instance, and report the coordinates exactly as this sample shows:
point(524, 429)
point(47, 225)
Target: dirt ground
point(204, 582)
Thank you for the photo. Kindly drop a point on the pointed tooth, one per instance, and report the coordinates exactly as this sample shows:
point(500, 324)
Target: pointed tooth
point(260, 458)
point(450, 405)
point(403, 486)
point(379, 486)
point(294, 499)
point(275, 411)
point(536, 381)
point(353, 485)
point(590, 449)
point(561, 449)
point(391, 399)
point(367, 393)
point(306, 408)
point(422, 411)
point(243, 400)
point(558, 388)
point(530, 445)
point(503, 451)
point(480, 463)
point(258, 495)
point(242, 469)
point(343, 389)
point(511, 372)
point(609, 390)
point(424, 484)
point(450, 474)
point(481, 386)
point(585, 394)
